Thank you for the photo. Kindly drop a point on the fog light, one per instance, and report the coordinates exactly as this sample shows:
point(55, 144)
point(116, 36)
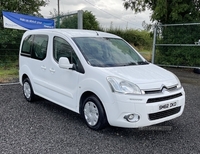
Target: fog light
point(132, 117)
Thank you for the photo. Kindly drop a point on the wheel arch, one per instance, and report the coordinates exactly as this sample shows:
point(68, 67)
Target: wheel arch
point(24, 76)
point(24, 72)
point(87, 94)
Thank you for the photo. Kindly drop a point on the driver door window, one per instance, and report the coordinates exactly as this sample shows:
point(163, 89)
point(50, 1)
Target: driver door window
point(61, 48)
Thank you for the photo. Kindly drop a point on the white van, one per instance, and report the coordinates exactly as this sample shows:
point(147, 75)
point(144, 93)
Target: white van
point(98, 75)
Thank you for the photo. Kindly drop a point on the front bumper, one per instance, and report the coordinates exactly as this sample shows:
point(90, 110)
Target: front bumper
point(161, 107)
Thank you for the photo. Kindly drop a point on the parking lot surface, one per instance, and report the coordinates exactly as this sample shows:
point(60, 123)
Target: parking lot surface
point(45, 128)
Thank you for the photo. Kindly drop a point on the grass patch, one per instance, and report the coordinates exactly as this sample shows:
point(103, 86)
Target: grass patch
point(9, 73)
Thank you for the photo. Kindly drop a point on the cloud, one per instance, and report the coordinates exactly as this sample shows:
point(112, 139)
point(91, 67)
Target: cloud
point(108, 12)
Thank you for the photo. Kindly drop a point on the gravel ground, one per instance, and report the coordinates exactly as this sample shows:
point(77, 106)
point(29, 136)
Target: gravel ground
point(43, 127)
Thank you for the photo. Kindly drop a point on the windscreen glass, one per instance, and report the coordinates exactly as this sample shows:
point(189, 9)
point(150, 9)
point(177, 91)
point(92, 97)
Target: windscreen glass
point(108, 52)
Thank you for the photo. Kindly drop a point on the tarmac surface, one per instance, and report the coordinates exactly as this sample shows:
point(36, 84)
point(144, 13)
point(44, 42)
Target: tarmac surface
point(45, 128)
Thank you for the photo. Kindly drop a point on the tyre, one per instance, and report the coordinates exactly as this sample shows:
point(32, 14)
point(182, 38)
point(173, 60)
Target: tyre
point(93, 113)
point(28, 90)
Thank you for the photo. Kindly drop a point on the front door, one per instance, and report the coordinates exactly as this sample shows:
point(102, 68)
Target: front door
point(63, 83)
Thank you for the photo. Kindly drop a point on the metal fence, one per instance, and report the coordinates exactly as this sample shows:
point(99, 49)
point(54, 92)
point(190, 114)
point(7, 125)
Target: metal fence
point(177, 45)
point(70, 20)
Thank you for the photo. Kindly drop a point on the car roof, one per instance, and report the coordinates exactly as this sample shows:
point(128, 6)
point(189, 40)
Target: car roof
point(73, 32)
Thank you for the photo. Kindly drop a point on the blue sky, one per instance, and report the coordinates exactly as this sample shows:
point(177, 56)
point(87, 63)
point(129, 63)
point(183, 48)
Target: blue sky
point(106, 12)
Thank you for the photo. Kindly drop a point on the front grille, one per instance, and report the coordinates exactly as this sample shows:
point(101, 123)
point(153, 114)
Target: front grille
point(153, 92)
point(163, 114)
point(173, 88)
point(159, 99)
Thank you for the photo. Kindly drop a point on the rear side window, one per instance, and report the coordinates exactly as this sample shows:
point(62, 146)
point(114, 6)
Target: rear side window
point(35, 46)
point(26, 47)
point(39, 48)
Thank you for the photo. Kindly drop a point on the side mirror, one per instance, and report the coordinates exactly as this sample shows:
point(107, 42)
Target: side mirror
point(64, 63)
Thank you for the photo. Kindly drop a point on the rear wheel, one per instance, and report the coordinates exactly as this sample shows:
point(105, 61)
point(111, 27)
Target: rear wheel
point(28, 90)
point(93, 113)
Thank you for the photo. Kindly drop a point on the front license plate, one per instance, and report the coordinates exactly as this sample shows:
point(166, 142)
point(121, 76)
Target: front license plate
point(166, 106)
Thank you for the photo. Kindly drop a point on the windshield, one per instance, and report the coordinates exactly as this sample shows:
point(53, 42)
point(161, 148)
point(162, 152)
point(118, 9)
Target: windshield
point(108, 52)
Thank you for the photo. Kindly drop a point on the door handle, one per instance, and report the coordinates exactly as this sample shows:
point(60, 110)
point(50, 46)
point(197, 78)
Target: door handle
point(52, 70)
point(43, 67)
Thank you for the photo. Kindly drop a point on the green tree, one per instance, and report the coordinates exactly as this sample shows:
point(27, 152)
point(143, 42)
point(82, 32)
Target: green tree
point(167, 11)
point(173, 12)
point(89, 21)
point(30, 7)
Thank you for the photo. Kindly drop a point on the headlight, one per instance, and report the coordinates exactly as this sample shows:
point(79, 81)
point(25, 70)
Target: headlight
point(178, 82)
point(122, 86)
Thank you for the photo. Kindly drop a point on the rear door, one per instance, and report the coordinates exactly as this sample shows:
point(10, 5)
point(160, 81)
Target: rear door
point(33, 59)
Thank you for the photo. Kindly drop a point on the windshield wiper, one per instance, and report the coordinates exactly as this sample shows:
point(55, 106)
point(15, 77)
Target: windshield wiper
point(131, 63)
point(142, 62)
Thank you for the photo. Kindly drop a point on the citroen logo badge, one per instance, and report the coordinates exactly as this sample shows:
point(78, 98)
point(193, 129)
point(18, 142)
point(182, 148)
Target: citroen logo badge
point(164, 88)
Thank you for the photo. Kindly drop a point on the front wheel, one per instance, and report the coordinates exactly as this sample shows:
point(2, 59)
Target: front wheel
point(93, 113)
point(28, 90)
